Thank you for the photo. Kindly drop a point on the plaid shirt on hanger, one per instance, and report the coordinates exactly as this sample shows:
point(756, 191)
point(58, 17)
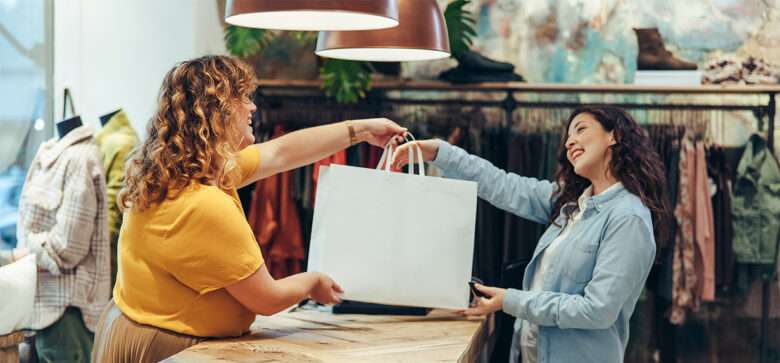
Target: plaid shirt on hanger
point(63, 220)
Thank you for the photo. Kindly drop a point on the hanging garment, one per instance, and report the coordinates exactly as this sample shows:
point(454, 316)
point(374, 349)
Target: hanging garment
point(274, 218)
point(115, 140)
point(522, 235)
point(245, 194)
point(549, 165)
point(63, 219)
point(540, 170)
point(490, 220)
point(705, 230)
point(516, 246)
point(684, 274)
point(667, 144)
point(721, 206)
point(354, 156)
point(308, 187)
point(694, 258)
point(756, 204)
point(373, 154)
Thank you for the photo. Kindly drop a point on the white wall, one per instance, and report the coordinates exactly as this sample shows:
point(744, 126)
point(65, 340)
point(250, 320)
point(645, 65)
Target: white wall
point(114, 53)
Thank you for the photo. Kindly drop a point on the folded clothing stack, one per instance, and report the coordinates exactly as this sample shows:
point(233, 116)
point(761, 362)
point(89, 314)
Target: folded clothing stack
point(734, 70)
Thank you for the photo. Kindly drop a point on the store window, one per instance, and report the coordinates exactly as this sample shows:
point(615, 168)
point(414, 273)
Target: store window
point(26, 115)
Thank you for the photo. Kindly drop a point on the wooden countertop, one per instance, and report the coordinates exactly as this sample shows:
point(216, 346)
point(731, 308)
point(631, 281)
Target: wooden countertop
point(315, 336)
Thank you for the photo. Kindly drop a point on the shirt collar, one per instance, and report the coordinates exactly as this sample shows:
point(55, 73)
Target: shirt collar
point(583, 199)
point(52, 149)
point(587, 198)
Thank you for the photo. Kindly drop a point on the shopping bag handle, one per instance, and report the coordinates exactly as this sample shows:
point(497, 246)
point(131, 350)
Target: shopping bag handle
point(386, 161)
point(415, 149)
point(388, 157)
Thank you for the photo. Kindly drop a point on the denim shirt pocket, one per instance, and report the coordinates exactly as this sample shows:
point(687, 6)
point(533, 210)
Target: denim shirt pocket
point(578, 260)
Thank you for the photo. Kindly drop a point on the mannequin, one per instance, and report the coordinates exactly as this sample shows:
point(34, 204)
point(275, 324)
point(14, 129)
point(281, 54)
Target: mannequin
point(107, 117)
point(67, 125)
point(115, 141)
point(69, 166)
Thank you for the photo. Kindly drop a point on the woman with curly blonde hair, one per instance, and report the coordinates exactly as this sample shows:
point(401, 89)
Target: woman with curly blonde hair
point(189, 265)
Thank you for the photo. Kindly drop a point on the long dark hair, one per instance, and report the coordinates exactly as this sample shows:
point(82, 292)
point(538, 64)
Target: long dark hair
point(634, 163)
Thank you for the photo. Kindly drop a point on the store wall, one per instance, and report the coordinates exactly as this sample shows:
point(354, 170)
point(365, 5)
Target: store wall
point(114, 53)
point(591, 41)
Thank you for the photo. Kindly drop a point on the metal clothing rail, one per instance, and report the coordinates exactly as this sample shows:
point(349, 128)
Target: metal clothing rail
point(273, 93)
point(277, 90)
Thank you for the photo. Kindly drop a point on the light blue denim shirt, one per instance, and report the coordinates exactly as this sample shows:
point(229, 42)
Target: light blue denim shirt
point(595, 277)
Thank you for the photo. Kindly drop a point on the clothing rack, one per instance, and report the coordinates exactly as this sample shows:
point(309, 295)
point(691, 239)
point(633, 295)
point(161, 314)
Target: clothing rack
point(273, 93)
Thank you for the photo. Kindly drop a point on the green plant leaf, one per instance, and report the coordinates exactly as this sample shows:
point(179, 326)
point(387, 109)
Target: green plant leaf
point(460, 27)
point(246, 42)
point(346, 81)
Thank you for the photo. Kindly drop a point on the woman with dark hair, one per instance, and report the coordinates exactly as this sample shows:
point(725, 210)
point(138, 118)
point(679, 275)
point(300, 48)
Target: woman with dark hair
point(605, 210)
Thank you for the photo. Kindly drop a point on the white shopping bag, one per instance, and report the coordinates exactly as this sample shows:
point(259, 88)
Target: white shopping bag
point(395, 238)
point(17, 294)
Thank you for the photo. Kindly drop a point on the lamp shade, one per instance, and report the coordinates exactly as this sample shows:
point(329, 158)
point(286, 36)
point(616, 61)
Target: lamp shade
point(312, 14)
point(421, 34)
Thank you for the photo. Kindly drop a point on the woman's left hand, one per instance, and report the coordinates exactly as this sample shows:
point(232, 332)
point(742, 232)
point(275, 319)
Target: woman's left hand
point(486, 305)
point(378, 131)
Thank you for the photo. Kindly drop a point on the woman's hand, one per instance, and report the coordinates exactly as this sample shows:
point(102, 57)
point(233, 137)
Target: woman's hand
point(326, 291)
point(378, 131)
point(494, 302)
point(430, 148)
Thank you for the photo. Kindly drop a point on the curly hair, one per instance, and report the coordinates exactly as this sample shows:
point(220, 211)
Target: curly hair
point(191, 136)
point(634, 163)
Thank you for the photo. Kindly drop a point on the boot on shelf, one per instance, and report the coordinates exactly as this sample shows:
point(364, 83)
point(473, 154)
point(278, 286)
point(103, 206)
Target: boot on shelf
point(460, 74)
point(478, 62)
point(653, 55)
point(476, 68)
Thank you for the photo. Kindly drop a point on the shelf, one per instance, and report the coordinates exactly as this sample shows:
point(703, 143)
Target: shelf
point(535, 87)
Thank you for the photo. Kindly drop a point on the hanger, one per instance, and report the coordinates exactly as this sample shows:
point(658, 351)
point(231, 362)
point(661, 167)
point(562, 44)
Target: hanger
point(67, 125)
point(107, 117)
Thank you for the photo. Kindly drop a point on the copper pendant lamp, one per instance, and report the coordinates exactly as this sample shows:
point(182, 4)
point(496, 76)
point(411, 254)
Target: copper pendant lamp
point(314, 15)
point(420, 35)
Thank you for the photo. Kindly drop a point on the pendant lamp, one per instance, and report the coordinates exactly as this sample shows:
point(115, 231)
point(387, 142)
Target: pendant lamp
point(314, 15)
point(421, 34)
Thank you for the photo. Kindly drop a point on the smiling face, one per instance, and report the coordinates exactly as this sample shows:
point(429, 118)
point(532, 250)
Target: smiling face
point(588, 146)
point(242, 119)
